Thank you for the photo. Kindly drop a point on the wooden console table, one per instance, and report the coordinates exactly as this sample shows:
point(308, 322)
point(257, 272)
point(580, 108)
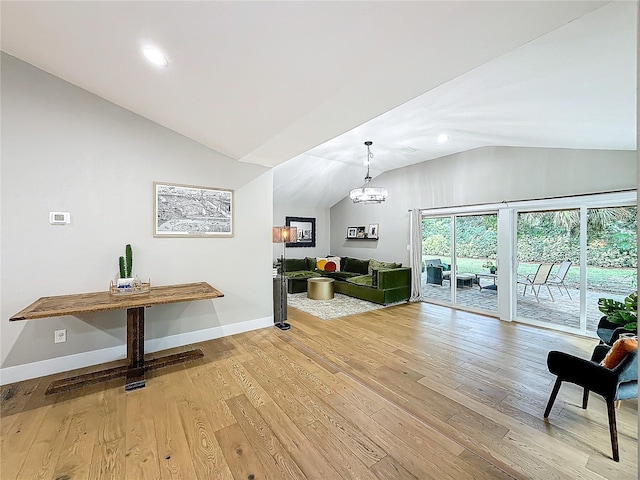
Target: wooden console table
point(136, 367)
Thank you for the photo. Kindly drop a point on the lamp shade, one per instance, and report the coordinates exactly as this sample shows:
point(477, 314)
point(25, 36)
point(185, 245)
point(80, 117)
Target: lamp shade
point(284, 234)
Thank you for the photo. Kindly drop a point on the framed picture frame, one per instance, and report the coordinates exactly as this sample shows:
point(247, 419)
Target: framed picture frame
point(192, 211)
point(361, 232)
point(373, 230)
point(352, 232)
point(306, 231)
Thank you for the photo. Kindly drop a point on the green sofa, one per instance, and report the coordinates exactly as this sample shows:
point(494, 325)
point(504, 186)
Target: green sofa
point(371, 280)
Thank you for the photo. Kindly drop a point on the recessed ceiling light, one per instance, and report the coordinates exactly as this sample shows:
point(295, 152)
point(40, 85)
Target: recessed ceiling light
point(155, 56)
point(443, 138)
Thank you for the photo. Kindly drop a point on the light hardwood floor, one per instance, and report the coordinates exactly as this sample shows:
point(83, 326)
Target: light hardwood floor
point(411, 391)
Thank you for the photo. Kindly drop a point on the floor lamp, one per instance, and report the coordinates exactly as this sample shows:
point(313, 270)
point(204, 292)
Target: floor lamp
point(283, 235)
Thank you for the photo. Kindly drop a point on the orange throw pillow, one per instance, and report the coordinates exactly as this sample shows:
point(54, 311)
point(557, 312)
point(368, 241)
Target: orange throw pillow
point(619, 350)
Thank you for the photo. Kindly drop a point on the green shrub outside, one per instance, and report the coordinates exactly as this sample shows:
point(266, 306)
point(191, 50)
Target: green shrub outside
point(611, 252)
point(542, 238)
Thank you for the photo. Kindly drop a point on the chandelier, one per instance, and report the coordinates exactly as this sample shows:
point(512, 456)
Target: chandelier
point(367, 193)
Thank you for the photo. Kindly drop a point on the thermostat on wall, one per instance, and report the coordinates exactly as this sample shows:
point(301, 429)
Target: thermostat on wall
point(59, 218)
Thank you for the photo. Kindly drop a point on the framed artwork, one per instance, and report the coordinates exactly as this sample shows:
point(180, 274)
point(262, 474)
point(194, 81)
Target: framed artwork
point(352, 232)
point(361, 233)
point(190, 211)
point(306, 231)
point(373, 230)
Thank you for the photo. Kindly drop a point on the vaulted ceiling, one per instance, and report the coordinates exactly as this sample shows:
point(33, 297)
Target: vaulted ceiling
point(303, 84)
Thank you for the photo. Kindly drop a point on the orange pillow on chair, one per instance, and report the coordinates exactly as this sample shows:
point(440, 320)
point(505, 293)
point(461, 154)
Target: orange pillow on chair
point(619, 350)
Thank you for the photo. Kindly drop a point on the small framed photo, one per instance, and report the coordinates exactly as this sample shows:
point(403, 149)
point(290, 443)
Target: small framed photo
point(362, 232)
point(352, 232)
point(373, 230)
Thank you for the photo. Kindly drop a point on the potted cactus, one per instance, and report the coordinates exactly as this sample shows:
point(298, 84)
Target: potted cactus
point(125, 267)
point(127, 282)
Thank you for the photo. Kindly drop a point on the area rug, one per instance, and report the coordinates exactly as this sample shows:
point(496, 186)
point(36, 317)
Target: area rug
point(339, 306)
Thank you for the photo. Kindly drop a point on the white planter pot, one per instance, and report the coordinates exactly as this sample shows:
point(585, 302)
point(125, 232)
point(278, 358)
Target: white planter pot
point(125, 283)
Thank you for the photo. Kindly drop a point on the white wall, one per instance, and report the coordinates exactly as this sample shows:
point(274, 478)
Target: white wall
point(323, 226)
point(64, 149)
point(484, 175)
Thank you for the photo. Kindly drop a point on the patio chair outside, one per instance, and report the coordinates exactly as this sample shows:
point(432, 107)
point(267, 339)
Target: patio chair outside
point(558, 278)
point(538, 279)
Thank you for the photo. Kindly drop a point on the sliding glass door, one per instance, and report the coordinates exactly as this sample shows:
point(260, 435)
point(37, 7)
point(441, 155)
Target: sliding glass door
point(554, 257)
point(436, 259)
point(548, 269)
point(612, 257)
point(476, 249)
point(469, 278)
point(556, 238)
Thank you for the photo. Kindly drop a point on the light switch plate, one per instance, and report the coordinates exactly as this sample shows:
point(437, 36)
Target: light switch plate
point(60, 336)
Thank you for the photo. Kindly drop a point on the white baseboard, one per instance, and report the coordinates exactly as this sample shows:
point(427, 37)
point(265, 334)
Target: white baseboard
point(96, 357)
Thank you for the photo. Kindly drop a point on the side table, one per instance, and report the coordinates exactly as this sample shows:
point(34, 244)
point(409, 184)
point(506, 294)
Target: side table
point(320, 288)
point(491, 286)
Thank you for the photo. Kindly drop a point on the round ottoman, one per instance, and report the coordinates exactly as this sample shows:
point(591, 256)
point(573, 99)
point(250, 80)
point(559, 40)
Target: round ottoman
point(320, 288)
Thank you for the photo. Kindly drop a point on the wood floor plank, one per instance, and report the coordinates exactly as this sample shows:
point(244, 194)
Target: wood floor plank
point(205, 389)
point(142, 460)
point(309, 336)
point(24, 428)
point(421, 463)
point(206, 455)
point(13, 399)
point(365, 399)
point(411, 429)
point(306, 372)
point(250, 387)
point(427, 443)
point(310, 461)
point(17, 442)
point(222, 382)
point(288, 379)
point(390, 469)
point(430, 371)
point(482, 468)
point(107, 460)
point(76, 451)
point(346, 463)
point(282, 394)
point(607, 468)
point(109, 450)
point(469, 422)
point(275, 457)
point(174, 455)
point(239, 454)
point(542, 363)
point(507, 423)
point(45, 450)
point(414, 391)
point(363, 446)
